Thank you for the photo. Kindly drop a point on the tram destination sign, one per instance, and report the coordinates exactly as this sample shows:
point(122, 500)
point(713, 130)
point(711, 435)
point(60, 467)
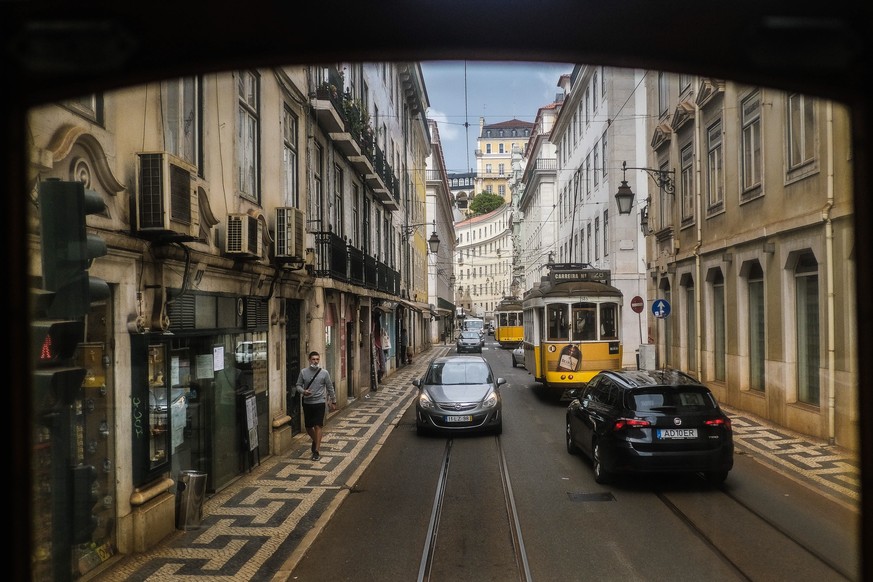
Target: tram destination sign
point(577, 272)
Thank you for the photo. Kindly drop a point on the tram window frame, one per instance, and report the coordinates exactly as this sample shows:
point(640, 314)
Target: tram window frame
point(558, 328)
point(584, 321)
point(608, 312)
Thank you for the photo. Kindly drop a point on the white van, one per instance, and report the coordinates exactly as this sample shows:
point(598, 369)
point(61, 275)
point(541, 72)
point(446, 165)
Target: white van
point(247, 352)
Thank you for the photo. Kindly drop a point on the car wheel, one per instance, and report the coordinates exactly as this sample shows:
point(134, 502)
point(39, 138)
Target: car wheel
point(513, 362)
point(420, 430)
point(498, 430)
point(571, 446)
point(716, 477)
point(600, 473)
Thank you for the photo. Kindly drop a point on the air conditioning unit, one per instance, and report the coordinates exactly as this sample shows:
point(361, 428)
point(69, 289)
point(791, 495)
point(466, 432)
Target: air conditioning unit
point(167, 203)
point(290, 231)
point(244, 236)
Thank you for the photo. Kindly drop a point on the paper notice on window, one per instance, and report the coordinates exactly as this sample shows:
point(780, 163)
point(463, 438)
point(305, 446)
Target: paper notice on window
point(205, 368)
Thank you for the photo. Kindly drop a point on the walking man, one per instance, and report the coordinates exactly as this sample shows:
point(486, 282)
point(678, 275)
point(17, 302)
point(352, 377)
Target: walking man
point(315, 385)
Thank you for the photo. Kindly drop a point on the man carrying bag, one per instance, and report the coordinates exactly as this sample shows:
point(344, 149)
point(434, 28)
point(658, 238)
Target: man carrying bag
point(318, 392)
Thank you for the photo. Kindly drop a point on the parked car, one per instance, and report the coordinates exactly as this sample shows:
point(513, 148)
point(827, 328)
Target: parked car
point(518, 356)
point(649, 421)
point(469, 341)
point(459, 394)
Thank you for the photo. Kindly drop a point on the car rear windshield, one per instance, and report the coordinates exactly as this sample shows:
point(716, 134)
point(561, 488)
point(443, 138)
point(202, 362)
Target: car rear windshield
point(683, 399)
point(458, 373)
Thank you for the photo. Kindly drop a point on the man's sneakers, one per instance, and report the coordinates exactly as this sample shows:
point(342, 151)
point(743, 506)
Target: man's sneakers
point(315, 456)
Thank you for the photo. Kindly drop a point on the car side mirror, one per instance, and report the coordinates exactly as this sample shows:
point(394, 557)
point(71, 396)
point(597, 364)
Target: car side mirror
point(501, 381)
point(417, 383)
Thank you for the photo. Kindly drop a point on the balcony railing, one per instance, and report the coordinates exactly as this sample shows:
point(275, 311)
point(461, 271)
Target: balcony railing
point(336, 259)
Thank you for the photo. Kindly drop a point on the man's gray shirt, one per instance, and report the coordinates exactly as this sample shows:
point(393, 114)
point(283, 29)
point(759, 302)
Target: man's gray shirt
point(321, 389)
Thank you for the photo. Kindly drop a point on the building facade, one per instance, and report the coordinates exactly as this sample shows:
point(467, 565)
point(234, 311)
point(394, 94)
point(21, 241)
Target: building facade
point(494, 148)
point(752, 247)
point(598, 130)
point(250, 217)
point(483, 262)
point(441, 213)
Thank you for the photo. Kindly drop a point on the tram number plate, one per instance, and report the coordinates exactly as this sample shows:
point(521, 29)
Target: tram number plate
point(466, 418)
point(677, 433)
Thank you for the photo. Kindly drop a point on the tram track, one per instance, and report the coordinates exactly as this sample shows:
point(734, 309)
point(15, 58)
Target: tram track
point(430, 553)
point(697, 517)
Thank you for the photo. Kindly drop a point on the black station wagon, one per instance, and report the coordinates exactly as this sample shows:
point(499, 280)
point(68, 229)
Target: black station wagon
point(649, 421)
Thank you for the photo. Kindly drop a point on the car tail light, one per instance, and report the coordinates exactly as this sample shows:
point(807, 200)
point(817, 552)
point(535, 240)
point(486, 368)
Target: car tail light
point(623, 423)
point(726, 422)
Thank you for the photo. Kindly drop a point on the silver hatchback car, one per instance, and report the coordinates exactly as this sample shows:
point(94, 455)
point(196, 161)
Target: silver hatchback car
point(459, 394)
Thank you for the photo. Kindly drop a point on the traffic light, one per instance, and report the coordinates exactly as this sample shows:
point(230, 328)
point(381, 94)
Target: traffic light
point(67, 249)
point(84, 495)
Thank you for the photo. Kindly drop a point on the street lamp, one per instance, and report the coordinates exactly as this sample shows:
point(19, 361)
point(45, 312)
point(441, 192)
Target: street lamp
point(433, 242)
point(625, 196)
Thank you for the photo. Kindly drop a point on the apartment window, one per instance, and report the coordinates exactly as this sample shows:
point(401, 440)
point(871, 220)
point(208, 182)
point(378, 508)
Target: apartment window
point(289, 158)
point(714, 166)
point(808, 332)
point(365, 226)
point(665, 214)
point(603, 152)
point(587, 105)
point(718, 326)
point(487, 169)
point(336, 207)
point(606, 233)
point(356, 206)
point(248, 130)
point(181, 112)
point(588, 243)
point(88, 106)
point(684, 83)
point(501, 168)
point(756, 322)
point(750, 145)
point(596, 167)
point(316, 199)
point(663, 94)
point(690, 324)
point(501, 191)
point(500, 149)
point(686, 182)
point(487, 148)
point(594, 88)
point(801, 130)
point(596, 238)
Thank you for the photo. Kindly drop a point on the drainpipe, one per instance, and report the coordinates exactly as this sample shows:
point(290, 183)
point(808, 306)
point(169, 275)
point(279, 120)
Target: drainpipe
point(698, 280)
point(829, 260)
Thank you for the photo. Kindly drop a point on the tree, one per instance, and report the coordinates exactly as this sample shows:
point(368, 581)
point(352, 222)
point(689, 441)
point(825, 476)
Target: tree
point(485, 202)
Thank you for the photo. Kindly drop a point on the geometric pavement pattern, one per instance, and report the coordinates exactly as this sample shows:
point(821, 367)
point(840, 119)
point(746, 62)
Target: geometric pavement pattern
point(254, 529)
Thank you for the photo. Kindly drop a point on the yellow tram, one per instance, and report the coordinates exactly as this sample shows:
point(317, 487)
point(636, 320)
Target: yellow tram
point(509, 322)
point(572, 326)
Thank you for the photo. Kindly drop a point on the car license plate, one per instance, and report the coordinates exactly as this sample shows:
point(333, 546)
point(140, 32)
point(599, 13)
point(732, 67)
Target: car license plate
point(677, 433)
point(466, 418)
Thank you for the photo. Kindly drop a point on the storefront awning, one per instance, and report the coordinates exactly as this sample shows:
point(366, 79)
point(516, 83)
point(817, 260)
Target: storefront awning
point(419, 307)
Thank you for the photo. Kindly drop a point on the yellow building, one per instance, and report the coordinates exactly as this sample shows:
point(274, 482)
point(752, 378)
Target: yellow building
point(494, 148)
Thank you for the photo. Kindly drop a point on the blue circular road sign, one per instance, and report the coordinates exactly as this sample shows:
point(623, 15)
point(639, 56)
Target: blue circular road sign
point(661, 308)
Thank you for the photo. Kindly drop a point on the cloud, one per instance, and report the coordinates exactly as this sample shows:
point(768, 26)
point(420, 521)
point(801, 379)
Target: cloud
point(448, 131)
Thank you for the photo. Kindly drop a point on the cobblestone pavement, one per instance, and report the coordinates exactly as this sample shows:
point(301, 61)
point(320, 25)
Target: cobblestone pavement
point(258, 528)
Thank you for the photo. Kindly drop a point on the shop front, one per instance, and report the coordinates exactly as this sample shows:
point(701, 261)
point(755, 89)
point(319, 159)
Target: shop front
point(200, 391)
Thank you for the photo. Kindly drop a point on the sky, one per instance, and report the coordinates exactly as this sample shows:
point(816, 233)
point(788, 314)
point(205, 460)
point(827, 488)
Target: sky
point(464, 91)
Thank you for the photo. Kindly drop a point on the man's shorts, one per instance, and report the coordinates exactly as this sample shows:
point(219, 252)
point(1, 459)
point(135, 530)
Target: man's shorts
point(313, 414)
